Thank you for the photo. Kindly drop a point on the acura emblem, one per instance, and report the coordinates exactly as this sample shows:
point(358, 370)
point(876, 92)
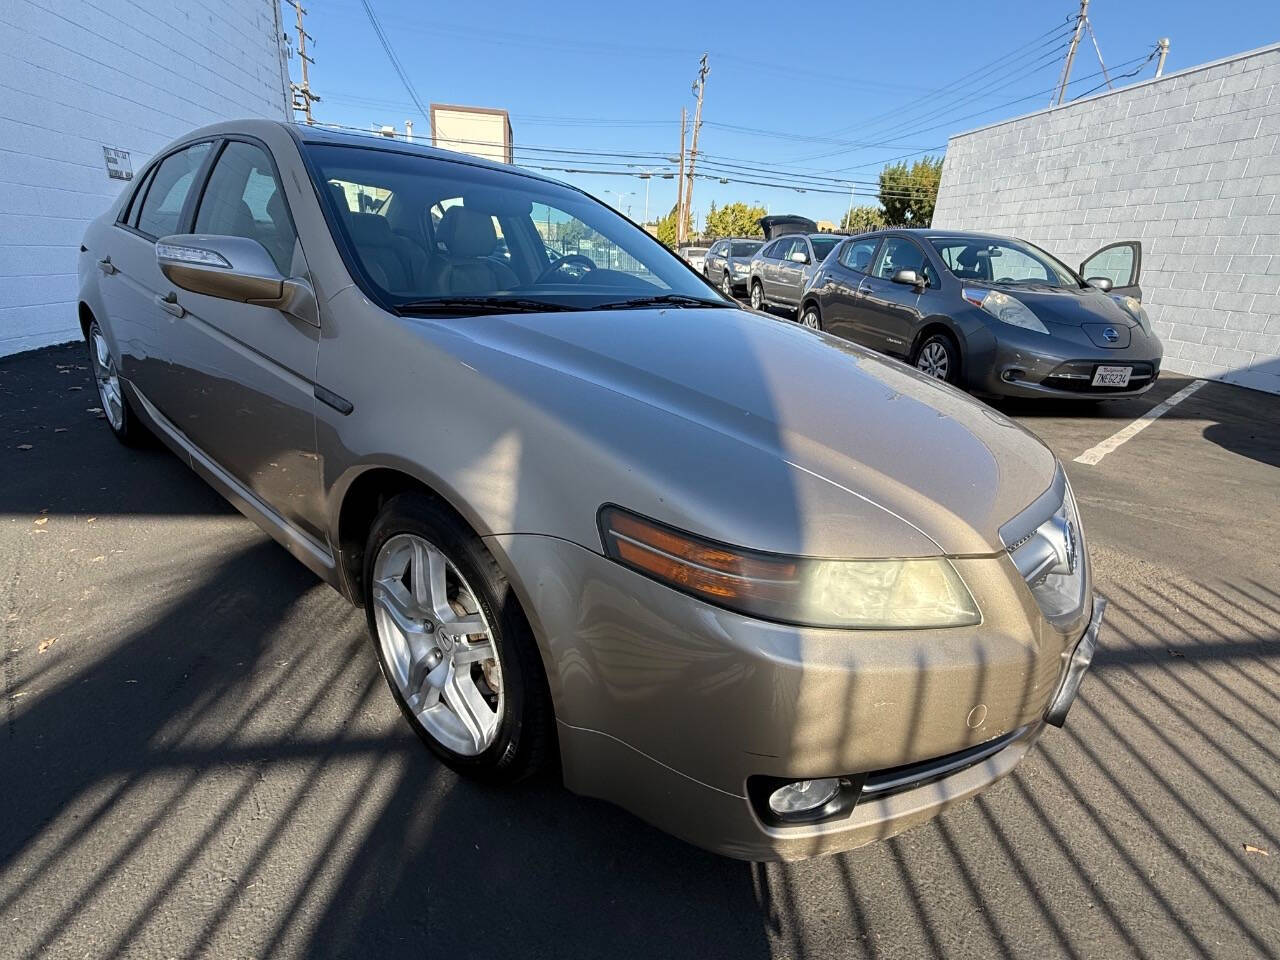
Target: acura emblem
point(1071, 547)
point(1111, 335)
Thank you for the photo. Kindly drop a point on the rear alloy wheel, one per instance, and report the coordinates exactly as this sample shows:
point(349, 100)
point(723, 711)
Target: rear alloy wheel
point(726, 286)
point(453, 645)
point(939, 358)
point(115, 405)
point(811, 318)
point(757, 295)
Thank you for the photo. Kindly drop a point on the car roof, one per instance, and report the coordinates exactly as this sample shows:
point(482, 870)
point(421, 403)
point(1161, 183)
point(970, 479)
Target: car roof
point(315, 133)
point(933, 233)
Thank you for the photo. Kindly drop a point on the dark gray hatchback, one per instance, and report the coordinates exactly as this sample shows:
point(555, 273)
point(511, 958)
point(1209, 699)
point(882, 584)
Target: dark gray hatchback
point(992, 314)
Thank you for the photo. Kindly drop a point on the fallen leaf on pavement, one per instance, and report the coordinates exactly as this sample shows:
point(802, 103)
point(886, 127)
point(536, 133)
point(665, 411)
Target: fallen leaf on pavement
point(91, 519)
point(96, 411)
point(75, 388)
point(46, 644)
point(42, 521)
point(96, 559)
point(1250, 848)
point(24, 446)
point(59, 429)
point(1176, 653)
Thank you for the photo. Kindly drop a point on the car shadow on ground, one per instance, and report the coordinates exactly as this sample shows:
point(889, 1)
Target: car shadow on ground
point(213, 767)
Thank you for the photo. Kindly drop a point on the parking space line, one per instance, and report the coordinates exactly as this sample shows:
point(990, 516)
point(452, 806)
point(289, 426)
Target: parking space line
point(1096, 453)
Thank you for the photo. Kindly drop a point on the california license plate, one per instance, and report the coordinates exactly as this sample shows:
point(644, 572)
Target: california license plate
point(1112, 376)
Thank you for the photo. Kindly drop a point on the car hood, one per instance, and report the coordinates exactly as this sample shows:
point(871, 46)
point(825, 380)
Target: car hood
point(1074, 306)
point(761, 433)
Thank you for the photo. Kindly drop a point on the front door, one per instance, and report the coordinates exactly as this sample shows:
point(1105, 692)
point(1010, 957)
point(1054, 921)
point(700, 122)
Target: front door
point(791, 272)
point(249, 371)
point(893, 309)
point(1121, 263)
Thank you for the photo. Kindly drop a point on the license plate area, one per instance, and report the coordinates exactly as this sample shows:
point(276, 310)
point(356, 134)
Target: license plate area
point(1111, 376)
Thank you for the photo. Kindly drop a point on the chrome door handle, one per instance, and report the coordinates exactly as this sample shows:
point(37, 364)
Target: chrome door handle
point(106, 266)
point(170, 304)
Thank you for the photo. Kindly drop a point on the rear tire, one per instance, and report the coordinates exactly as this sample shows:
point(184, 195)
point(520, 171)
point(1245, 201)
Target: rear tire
point(938, 356)
point(515, 739)
point(757, 296)
point(116, 409)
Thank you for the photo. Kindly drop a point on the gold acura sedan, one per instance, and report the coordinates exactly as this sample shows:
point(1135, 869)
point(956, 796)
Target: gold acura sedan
point(772, 592)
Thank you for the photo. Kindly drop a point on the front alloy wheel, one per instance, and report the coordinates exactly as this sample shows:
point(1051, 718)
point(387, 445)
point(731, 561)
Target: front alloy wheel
point(937, 358)
point(810, 318)
point(437, 645)
point(726, 286)
point(453, 642)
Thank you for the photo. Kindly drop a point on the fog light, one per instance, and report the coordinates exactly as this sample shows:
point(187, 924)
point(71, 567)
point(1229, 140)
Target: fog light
point(804, 796)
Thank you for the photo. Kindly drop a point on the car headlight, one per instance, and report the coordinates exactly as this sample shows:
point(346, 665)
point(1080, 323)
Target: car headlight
point(1051, 559)
point(1136, 310)
point(853, 594)
point(1004, 308)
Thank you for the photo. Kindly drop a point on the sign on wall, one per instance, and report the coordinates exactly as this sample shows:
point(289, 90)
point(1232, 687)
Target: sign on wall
point(118, 166)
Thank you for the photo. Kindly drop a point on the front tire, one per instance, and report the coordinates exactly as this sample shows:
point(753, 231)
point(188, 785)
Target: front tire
point(938, 356)
point(124, 423)
point(810, 317)
point(726, 285)
point(453, 643)
point(757, 295)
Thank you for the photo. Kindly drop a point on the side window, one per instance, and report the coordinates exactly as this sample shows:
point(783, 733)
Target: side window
point(771, 251)
point(129, 214)
point(856, 254)
point(243, 199)
point(898, 253)
point(162, 206)
point(785, 248)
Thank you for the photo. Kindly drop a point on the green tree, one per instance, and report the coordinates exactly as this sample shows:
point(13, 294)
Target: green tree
point(909, 193)
point(667, 229)
point(862, 220)
point(734, 220)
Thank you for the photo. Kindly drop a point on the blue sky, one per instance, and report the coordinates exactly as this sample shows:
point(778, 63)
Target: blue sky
point(796, 92)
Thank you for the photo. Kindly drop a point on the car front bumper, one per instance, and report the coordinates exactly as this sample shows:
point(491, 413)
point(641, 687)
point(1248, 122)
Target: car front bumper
point(1011, 362)
point(672, 708)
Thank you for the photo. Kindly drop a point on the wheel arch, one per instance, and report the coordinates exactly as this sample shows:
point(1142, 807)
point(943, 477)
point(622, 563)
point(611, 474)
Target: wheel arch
point(940, 324)
point(86, 318)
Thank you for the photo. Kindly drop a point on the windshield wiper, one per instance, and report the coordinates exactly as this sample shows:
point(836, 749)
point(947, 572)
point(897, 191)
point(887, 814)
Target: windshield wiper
point(481, 305)
point(661, 300)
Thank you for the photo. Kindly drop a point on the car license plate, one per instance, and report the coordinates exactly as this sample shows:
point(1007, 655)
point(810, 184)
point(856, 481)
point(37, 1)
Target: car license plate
point(1112, 376)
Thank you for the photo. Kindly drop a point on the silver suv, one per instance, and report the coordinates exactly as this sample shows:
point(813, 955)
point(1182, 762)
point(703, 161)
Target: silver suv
point(728, 264)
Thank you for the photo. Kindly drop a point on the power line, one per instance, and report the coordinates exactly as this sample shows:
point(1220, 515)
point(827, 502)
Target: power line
point(395, 61)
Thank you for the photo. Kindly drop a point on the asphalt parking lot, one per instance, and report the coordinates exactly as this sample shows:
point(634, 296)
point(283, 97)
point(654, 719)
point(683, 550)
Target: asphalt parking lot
point(198, 756)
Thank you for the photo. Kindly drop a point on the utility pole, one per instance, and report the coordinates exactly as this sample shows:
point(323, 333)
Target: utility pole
point(1081, 20)
point(684, 121)
point(302, 95)
point(699, 86)
point(1163, 44)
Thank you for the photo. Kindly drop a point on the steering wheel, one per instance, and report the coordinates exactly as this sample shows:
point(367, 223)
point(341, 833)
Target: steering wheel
point(567, 260)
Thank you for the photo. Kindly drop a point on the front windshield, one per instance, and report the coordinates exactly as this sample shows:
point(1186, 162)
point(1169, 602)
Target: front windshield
point(1007, 262)
point(426, 232)
point(745, 248)
point(822, 247)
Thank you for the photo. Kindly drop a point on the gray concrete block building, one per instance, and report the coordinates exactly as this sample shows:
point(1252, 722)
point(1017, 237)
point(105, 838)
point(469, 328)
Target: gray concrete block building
point(1189, 165)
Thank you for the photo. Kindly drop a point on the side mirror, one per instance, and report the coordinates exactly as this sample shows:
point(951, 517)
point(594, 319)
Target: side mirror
point(798, 256)
point(1102, 283)
point(231, 268)
point(909, 278)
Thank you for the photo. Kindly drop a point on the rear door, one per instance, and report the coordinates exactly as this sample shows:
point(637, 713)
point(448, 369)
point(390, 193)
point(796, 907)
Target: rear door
point(843, 309)
point(1121, 263)
point(249, 371)
point(137, 296)
point(791, 271)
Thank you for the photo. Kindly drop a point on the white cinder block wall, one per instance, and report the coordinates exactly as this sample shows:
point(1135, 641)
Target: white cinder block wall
point(78, 75)
point(1189, 164)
